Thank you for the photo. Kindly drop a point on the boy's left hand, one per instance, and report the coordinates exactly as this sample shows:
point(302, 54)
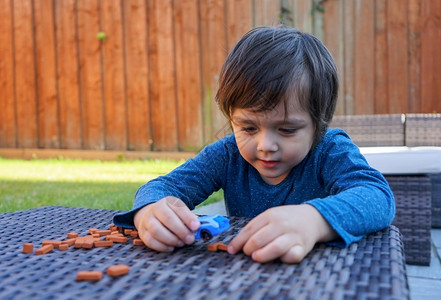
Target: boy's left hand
point(287, 232)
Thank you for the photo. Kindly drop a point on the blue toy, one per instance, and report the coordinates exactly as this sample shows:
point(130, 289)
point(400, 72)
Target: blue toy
point(211, 226)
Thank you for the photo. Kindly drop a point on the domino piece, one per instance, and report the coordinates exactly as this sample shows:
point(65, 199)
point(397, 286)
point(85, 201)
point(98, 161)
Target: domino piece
point(89, 275)
point(63, 247)
point(117, 239)
point(103, 244)
point(217, 246)
point(79, 242)
point(69, 242)
point(88, 242)
point(54, 243)
point(118, 270)
point(103, 232)
point(222, 247)
point(212, 247)
point(44, 249)
point(93, 230)
point(72, 235)
point(28, 248)
point(138, 242)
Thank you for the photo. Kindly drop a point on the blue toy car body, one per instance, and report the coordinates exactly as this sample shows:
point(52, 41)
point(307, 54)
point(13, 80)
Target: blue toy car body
point(211, 226)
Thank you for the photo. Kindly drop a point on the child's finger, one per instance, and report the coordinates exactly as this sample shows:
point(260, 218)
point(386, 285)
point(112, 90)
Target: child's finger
point(159, 232)
point(170, 217)
point(276, 248)
point(155, 244)
point(294, 255)
point(187, 216)
point(245, 234)
point(264, 236)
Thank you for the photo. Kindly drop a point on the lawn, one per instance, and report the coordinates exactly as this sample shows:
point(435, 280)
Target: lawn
point(77, 183)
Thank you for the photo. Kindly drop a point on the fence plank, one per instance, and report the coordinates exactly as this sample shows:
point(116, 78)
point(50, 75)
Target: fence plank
point(333, 39)
point(414, 36)
point(430, 57)
point(7, 99)
point(188, 75)
point(67, 71)
point(398, 56)
point(115, 119)
point(91, 81)
point(162, 79)
point(349, 57)
point(381, 100)
point(266, 12)
point(214, 51)
point(364, 60)
point(303, 17)
point(239, 20)
point(48, 136)
point(25, 85)
point(137, 74)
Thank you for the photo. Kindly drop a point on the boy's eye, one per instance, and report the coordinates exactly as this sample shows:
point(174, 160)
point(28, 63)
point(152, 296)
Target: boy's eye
point(287, 130)
point(249, 129)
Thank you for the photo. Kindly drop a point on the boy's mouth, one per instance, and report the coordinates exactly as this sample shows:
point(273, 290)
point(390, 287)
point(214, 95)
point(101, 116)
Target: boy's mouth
point(268, 163)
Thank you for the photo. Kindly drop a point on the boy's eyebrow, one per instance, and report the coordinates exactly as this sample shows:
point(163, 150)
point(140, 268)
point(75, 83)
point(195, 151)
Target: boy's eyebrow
point(241, 120)
point(294, 121)
point(289, 120)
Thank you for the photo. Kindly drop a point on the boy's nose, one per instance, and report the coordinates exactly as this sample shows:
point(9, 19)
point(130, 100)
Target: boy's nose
point(267, 143)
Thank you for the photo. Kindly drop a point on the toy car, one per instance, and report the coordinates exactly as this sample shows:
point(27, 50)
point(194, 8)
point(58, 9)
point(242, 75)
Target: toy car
point(211, 226)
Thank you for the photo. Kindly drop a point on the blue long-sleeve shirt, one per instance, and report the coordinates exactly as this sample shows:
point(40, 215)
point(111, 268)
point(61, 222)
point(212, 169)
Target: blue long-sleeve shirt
point(334, 177)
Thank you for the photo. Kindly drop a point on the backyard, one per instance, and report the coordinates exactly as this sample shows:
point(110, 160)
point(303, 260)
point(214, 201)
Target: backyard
point(33, 183)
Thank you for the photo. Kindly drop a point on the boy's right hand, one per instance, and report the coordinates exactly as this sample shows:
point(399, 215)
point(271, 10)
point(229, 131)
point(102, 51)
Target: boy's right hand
point(166, 224)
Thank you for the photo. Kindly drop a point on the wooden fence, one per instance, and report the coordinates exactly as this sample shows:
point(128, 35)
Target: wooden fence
point(150, 84)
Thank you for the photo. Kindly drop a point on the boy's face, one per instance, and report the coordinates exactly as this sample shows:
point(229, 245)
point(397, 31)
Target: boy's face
point(273, 142)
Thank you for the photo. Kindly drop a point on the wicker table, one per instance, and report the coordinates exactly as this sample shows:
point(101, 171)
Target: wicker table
point(374, 268)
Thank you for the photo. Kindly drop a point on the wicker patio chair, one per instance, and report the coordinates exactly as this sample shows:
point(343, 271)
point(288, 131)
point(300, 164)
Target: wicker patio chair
point(372, 130)
point(425, 130)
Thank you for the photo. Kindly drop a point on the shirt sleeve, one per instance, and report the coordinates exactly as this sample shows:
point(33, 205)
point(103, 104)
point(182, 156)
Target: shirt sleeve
point(192, 182)
point(360, 200)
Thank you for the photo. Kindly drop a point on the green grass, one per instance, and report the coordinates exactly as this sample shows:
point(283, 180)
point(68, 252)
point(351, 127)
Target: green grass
point(28, 184)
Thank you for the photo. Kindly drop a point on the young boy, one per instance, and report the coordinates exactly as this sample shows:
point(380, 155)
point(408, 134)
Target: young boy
point(300, 182)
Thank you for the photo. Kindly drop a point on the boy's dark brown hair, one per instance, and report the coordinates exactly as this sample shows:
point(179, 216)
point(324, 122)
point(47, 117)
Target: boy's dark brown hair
point(268, 64)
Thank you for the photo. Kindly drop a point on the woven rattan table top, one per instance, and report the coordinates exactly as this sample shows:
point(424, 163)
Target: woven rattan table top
point(373, 268)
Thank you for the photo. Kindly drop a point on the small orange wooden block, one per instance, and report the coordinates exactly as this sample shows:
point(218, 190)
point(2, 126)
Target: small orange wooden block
point(222, 247)
point(217, 246)
point(89, 275)
point(103, 244)
point(44, 249)
point(134, 233)
point(118, 270)
point(93, 230)
point(138, 242)
point(79, 242)
point(72, 235)
point(212, 247)
point(117, 239)
point(103, 232)
point(28, 248)
point(69, 242)
point(88, 242)
point(56, 244)
point(63, 247)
